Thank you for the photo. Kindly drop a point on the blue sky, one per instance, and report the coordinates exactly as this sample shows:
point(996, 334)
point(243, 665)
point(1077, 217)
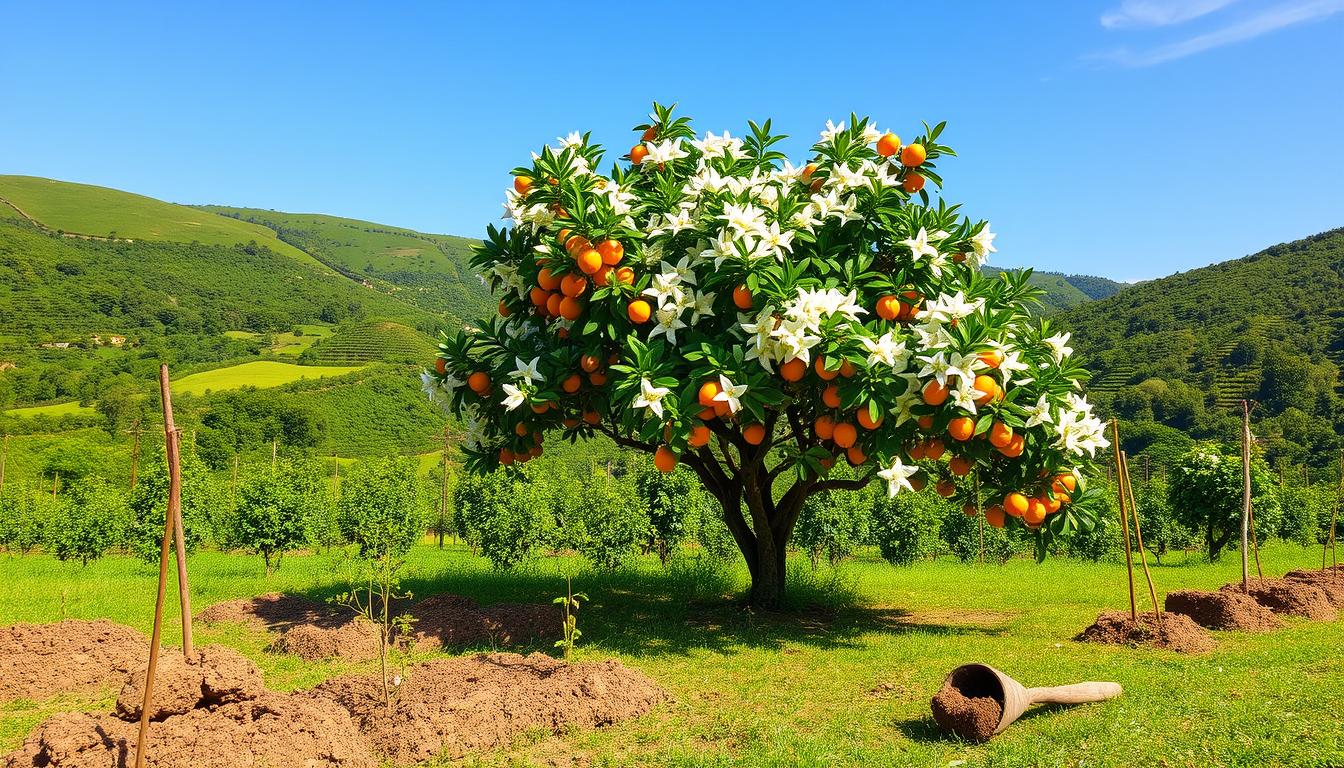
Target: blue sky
point(1123, 138)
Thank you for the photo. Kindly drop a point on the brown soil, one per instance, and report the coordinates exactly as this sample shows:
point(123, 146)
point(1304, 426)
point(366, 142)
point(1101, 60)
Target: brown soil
point(446, 621)
point(973, 717)
point(1289, 597)
point(1329, 581)
point(275, 729)
point(219, 676)
point(275, 612)
point(456, 706)
point(42, 660)
point(355, 640)
point(1179, 632)
point(1222, 610)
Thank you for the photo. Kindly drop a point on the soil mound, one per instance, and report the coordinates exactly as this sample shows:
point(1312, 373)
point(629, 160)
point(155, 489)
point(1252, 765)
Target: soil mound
point(973, 718)
point(1289, 597)
point(446, 621)
point(275, 612)
point(274, 729)
point(1222, 610)
point(42, 660)
point(1331, 582)
point(218, 676)
point(1179, 632)
point(457, 706)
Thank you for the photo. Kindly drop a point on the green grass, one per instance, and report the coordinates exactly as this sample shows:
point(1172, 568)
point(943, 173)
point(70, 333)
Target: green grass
point(370, 341)
point(843, 683)
point(72, 408)
point(287, 344)
point(260, 374)
point(102, 212)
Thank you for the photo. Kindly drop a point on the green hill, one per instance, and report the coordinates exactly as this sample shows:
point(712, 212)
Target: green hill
point(430, 271)
point(1063, 291)
point(365, 342)
point(98, 212)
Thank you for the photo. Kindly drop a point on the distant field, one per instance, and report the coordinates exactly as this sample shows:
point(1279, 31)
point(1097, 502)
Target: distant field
point(260, 374)
point(373, 340)
point(103, 212)
point(55, 411)
point(288, 344)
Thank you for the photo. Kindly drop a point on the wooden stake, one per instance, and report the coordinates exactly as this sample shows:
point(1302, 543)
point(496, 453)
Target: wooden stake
point(1138, 541)
point(1124, 515)
point(172, 439)
point(140, 743)
point(55, 481)
point(1245, 496)
point(275, 442)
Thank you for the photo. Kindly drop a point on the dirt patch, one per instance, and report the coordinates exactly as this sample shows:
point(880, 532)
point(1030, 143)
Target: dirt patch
point(1178, 633)
point(971, 714)
point(218, 676)
point(355, 640)
point(1289, 597)
point(42, 660)
point(1222, 610)
point(274, 729)
point(447, 621)
point(456, 706)
point(1331, 582)
point(275, 612)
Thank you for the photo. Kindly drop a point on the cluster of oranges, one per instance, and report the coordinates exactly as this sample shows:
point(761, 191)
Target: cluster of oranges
point(903, 308)
point(912, 156)
point(1032, 510)
point(560, 289)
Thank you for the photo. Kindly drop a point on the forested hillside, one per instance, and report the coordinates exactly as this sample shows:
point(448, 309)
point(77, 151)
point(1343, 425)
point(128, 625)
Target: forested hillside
point(1061, 291)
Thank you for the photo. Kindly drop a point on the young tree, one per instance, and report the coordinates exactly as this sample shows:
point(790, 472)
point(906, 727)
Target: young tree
point(1163, 531)
point(908, 526)
point(832, 524)
point(614, 525)
point(149, 505)
point(25, 514)
point(1206, 492)
point(278, 509)
point(509, 514)
point(672, 500)
point(91, 519)
point(712, 304)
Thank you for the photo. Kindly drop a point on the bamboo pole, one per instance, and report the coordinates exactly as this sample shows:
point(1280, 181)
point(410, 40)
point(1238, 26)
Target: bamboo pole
point(1138, 541)
point(275, 443)
point(140, 742)
point(172, 438)
point(1124, 515)
point(55, 481)
point(1245, 496)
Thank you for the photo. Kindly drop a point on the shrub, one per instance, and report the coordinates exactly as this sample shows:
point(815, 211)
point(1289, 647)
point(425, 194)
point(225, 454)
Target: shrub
point(614, 523)
point(505, 514)
point(832, 524)
point(1306, 512)
point(963, 535)
point(906, 527)
point(149, 505)
point(278, 509)
point(382, 509)
point(24, 515)
point(1206, 493)
point(672, 499)
point(91, 518)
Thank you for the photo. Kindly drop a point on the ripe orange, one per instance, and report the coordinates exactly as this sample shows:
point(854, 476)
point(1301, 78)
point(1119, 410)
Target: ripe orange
point(917, 451)
point(699, 436)
point(572, 383)
point(824, 426)
point(521, 184)
point(994, 516)
point(961, 428)
point(822, 373)
point(571, 308)
point(1016, 504)
point(479, 382)
point(602, 278)
point(639, 311)
point(592, 417)
point(1051, 505)
point(991, 357)
point(597, 378)
point(664, 459)
point(889, 307)
point(541, 407)
point(808, 170)
point(888, 145)
point(913, 155)
point(913, 182)
point(1014, 448)
point(934, 449)
point(866, 420)
point(845, 434)
point(988, 389)
point(721, 410)
point(855, 455)
point(441, 366)
point(945, 488)
point(504, 310)
point(831, 396)
point(590, 261)
point(925, 422)
point(625, 275)
point(637, 155)
point(969, 509)
point(911, 301)
point(589, 363)
point(505, 456)
point(563, 235)
point(959, 466)
point(1000, 434)
point(847, 369)
point(539, 295)
point(570, 422)
point(918, 481)
point(1065, 483)
point(742, 297)
point(708, 391)
point(649, 133)
point(553, 303)
point(577, 244)
point(520, 430)
point(1035, 514)
point(793, 370)
point(935, 393)
point(754, 434)
point(573, 285)
point(827, 463)
point(612, 252)
point(548, 279)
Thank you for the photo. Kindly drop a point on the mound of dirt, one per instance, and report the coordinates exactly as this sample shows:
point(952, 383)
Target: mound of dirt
point(462, 705)
point(973, 717)
point(1178, 633)
point(356, 640)
point(447, 621)
point(275, 612)
point(218, 676)
point(1329, 581)
point(274, 729)
point(41, 660)
point(1222, 610)
point(1289, 597)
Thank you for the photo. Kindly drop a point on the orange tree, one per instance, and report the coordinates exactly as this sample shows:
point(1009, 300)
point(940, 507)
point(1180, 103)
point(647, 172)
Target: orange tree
point(713, 304)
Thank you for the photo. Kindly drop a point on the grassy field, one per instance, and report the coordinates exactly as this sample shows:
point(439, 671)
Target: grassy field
point(55, 411)
point(260, 374)
point(103, 212)
point(288, 344)
point(845, 680)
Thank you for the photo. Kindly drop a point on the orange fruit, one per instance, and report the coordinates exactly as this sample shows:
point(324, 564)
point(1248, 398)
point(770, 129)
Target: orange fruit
point(639, 311)
point(504, 310)
point(708, 391)
point(754, 434)
point(988, 389)
point(625, 275)
point(649, 133)
point(994, 516)
point(590, 261)
point(521, 184)
point(845, 434)
point(866, 420)
point(548, 279)
point(913, 182)
point(577, 244)
point(597, 378)
point(824, 426)
point(918, 481)
point(925, 422)
point(959, 466)
point(991, 358)
point(917, 451)
point(707, 414)
point(589, 363)
point(793, 370)
point(911, 301)
point(1014, 448)
point(612, 252)
point(572, 383)
point(934, 449)
point(945, 488)
point(1000, 434)
point(742, 297)
point(505, 456)
point(935, 393)
point(913, 155)
point(721, 410)
point(855, 456)
point(1051, 505)
point(541, 407)
point(1035, 514)
point(1065, 482)
point(602, 277)
point(847, 369)
point(520, 430)
point(961, 428)
point(553, 303)
point(969, 509)
point(1016, 504)
point(889, 307)
point(570, 422)
point(592, 417)
point(573, 285)
point(563, 235)
point(827, 463)
point(808, 170)
point(831, 396)
point(571, 308)
point(888, 145)
point(479, 382)
point(699, 436)
point(637, 155)
point(822, 373)
point(441, 366)
point(539, 295)
point(664, 459)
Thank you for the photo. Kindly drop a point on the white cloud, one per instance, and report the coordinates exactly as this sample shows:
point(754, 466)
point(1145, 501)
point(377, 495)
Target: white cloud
point(1270, 20)
point(1158, 13)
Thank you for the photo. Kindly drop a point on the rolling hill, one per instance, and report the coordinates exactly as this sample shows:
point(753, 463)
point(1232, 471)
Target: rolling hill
point(1063, 291)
